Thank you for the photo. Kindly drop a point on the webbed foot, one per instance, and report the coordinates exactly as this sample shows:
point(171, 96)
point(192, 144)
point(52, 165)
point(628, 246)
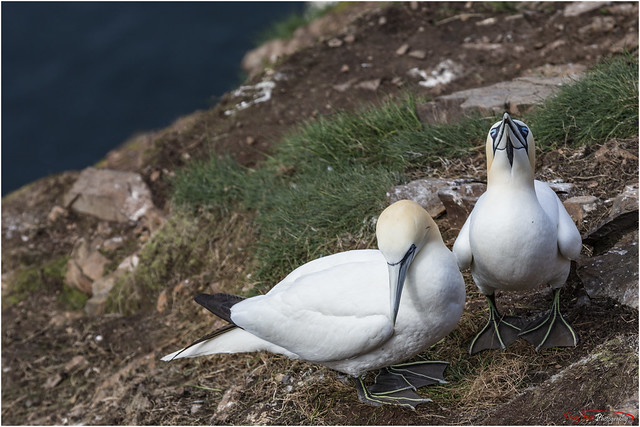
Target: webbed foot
point(499, 332)
point(419, 374)
point(552, 330)
point(389, 389)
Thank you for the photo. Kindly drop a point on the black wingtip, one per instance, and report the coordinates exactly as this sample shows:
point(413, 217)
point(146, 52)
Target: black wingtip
point(219, 304)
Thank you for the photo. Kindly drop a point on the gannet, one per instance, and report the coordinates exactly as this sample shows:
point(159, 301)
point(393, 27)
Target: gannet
point(518, 236)
point(355, 311)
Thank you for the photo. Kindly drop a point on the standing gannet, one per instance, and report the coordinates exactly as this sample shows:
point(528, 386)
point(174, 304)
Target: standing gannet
point(355, 311)
point(518, 236)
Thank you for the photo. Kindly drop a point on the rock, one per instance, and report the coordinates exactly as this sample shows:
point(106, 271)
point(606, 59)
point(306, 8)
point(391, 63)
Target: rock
point(85, 265)
point(459, 201)
point(455, 197)
point(625, 202)
point(556, 70)
point(624, 9)
point(75, 279)
point(78, 362)
point(109, 195)
point(228, 401)
point(254, 60)
point(113, 243)
point(334, 42)
point(579, 207)
point(418, 54)
point(343, 87)
point(372, 85)
point(489, 21)
point(628, 42)
point(613, 363)
point(57, 212)
point(613, 274)
point(402, 49)
point(101, 287)
point(561, 188)
point(441, 111)
point(53, 381)
point(162, 302)
point(422, 191)
point(397, 80)
point(516, 97)
point(483, 46)
point(599, 24)
point(622, 218)
point(96, 305)
point(578, 8)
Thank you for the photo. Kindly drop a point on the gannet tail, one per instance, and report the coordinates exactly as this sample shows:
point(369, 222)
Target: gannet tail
point(228, 339)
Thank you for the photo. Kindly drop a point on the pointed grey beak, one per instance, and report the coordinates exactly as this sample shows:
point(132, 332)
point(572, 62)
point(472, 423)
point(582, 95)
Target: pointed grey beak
point(509, 128)
point(397, 275)
point(506, 122)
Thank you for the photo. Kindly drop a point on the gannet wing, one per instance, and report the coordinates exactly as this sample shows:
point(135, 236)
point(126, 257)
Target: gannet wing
point(332, 308)
point(462, 245)
point(569, 240)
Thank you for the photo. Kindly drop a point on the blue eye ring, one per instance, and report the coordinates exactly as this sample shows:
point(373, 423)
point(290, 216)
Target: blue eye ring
point(493, 132)
point(524, 131)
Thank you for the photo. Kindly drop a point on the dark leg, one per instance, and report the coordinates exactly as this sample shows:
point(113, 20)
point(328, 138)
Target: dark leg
point(499, 332)
point(552, 330)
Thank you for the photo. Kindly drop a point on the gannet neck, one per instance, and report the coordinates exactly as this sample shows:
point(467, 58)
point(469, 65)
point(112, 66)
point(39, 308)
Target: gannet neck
point(502, 174)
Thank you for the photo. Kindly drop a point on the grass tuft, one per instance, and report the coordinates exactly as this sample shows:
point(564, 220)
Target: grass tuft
point(596, 108)
point(213, 184)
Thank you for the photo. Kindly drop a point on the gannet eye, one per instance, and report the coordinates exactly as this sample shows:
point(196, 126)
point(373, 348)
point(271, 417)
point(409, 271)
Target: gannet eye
point(493, 132)
point(524, 131)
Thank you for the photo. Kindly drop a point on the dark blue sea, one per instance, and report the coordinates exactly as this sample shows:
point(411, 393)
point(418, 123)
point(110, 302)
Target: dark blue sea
point(78, 79)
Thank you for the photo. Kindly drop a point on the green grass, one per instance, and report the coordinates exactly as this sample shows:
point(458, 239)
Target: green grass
point(601, 106)
point(286, 27)
point(326, 182)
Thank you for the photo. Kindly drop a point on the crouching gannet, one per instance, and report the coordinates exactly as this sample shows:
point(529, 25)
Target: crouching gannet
point(518, 236)
point(355, 311)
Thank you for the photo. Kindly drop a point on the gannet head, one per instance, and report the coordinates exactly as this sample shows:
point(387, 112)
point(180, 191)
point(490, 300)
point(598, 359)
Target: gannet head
point(402, 230)
point(513, 140)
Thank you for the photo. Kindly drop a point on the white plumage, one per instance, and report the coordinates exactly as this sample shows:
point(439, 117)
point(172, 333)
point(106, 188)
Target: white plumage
point(519, 235)
point(518, 238)
point(335, 310)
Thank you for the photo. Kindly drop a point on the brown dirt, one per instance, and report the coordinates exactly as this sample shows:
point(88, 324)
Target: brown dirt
point(119, 379)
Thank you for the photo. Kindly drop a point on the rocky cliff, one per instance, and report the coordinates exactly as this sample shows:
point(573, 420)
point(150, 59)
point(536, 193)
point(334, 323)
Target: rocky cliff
point(70, 355)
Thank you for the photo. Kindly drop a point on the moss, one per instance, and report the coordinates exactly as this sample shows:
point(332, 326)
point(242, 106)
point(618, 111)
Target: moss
point(72, 299)
point(28, 279)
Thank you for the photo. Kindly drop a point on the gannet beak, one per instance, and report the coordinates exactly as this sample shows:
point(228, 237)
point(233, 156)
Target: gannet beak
point(397, 275)
point(509, 137)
